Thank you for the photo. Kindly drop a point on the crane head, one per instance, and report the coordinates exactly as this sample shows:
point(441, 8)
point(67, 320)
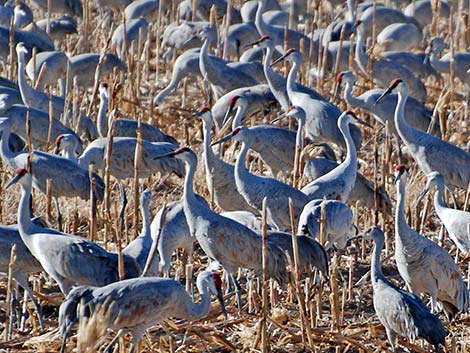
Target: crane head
point(19, 174)
point(215, 286)
point(175, 153)
point(103, 89)
point(58, 140)
point(353, 118)
point(344, 76)
point(393, 85)
point(228, 136)
point(287, 55)
point(204, 110)
point(261, 40)
point(433, 178)
point(399, 171)
point(21, 49)
point(292, 111)
point(374, 233)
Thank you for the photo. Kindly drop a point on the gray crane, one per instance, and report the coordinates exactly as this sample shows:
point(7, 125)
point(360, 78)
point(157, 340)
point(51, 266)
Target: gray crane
point(338, 183)
point(277, 32)
point(68, 259)
point(147, 9)
point(339, 226)
point(59, 27)
point(429, 152)
point(274, 145)
point(25, 263)
point(457, 222)
point(363, 190)
point(139, 248)
point(126, 127)
point(255, 188)
point(417, 114)
point(67, 177)
point(220, 176)
point(135, 28)
point(246, 218)
point(223, 78)
point(180, 36)
point(402, 313)
point(425, 266)
point(321, 116)
point(223, 239)
point(423, 12)
point(416, 62)
point(70, 145)
point(277, 83)
point(123, 155)
point(68, 7)
point(137, 304)
point(400, 37)
point(443, 65)
point(384, 70)
point(30, 39)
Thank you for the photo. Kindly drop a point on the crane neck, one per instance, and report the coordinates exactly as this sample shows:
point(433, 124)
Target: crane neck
point(25, 225)
point(204, 58)
point(400, 221)
point(240, 169)
point(198, 310)
point(351, 153)
point(440, 65)
point(145, 211)
point(237, 119)
point(7, 154)
point(69, 153)
point(350, 11)
point(404, 129)
point(299, 135)
point(439, 200)
point(376, 267)
point(361, 57)
point(26, 90)
point(291, 78)
point(208, 152)
point(102, 120)
point(262, 27)
point(276, 82)
point(188, 193)
point(351, 100)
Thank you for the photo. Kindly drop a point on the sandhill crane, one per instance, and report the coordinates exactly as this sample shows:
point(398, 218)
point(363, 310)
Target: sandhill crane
point(180, 36)
point(137, 304)
point(457, 222)
point(126, 127)
point(56, 70)
point(30, 39)
point(254, 188)
point(222, 77)
point(238, 36)
point(70, 146)
point(338, 183)
point(274, 145)
point(246, 218)
point(339, 222)
point(25, 263)
point(424, 265)
point(332, 32)
point(402, 313)
point(429, 152)
point(68, 259)
point(249, 8)
point(277, 83)
point(384, 71)
point(59, 27)
point(84, 67)
point(40, 122)
point(418, 63)
point(223, 239)
point(400, 36)
point(363, 190)
point(123, 154)
point(220, 176)
point(147, 9)
point(277, 32)
point(423, 12)
point(139, 248)
point(443, 65)
point(135, 29)
point(322, 116)
point(67, 177)
point(417, 114)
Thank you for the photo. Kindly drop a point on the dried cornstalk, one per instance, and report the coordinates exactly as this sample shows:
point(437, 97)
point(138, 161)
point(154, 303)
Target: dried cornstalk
point(9, 290)
point(264, 288)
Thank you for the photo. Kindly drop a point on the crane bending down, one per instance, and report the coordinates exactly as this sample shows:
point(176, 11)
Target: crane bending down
point(255, 188)
point(425, 266)
point(338, 183)
point(225, 240)
point(429, 152)
point(402, 313)
point(457, 222)
point(137, 304)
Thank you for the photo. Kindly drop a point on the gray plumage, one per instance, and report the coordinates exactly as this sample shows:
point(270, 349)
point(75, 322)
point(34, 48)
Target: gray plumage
point(69, 260)
point(69, 7)
point(70, 145)
point(59, 27)
point(135, 28)
point(123, 155)
point(429, 152)
point(56, 70)
point(457, 222)
point(423, 12)
point(425, 266)
point(339, 226)
point(84, 67)
point(400, 36)
point(402, 313)
point(147, 9)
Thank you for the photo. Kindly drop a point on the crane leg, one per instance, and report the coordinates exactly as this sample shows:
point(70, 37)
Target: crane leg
point(29, 293)
point(136, 335)
point(110, 346)
point(238, 291)
point(123, 205)
point(59, 215)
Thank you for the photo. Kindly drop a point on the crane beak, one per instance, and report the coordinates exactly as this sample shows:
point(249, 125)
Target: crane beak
point(397, 177)
point(13, 181)
point(252, 44)
point(282, 116)
point(195, 115)
point(278, 60)
point(222, 139)
point(227, 115)
point(363, 122)
point(337, 91)
point(386, 93)
point(421, 195)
